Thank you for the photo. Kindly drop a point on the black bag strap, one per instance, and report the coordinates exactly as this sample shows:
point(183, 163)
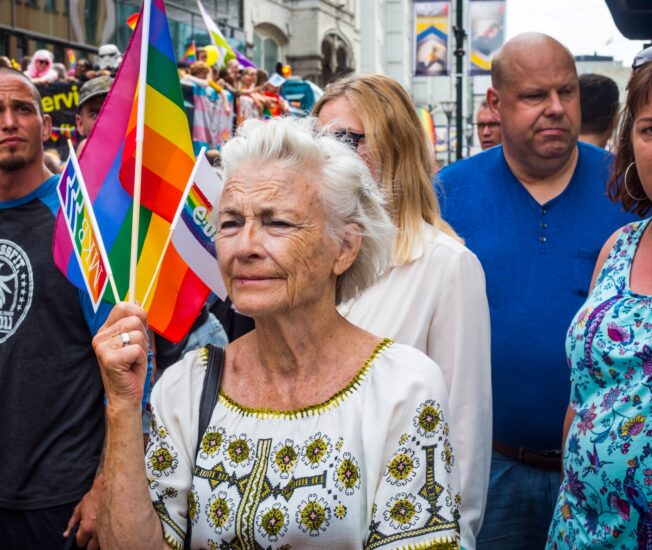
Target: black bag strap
point(207, 402)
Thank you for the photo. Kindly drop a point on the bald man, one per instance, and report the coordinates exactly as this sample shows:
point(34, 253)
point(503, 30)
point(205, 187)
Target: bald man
point(534, 210)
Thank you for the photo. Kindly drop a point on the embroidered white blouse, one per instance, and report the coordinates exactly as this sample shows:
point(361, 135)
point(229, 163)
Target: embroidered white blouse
point(372, 467)
point(438, 304)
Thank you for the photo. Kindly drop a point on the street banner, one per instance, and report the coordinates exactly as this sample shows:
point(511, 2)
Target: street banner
point(431, 42)
point(487, 33)
point(86, 239)
point(59, 100)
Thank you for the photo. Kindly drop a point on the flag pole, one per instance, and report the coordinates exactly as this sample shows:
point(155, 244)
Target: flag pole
point(93, 220)
point(175, 220)
point(140, 130)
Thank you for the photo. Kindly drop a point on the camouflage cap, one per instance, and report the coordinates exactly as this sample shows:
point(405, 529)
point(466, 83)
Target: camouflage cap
point(94, 87)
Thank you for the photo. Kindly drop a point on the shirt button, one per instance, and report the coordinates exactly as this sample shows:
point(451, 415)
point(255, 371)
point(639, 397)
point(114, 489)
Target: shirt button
point(544, 211)
point(544, 225)
point(542, 239)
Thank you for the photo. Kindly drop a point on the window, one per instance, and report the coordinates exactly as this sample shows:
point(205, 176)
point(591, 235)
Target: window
point(266, 52)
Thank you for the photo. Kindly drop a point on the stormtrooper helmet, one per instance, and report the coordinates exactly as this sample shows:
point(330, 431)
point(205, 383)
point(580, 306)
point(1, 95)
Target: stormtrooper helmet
point(110, 56)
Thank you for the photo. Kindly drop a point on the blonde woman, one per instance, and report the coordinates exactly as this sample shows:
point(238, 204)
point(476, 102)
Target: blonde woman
point(433, 295)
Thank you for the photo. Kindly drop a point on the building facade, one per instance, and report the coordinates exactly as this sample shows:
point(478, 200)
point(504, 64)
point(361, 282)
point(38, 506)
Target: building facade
point(319, 39)
point(83, 25)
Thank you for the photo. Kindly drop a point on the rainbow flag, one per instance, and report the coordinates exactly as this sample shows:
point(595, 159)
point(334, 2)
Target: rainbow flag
point(191, 54)
point(132, 20)
point(108, 165)
point(72, 60)
point(194, 233)
point(82, 226)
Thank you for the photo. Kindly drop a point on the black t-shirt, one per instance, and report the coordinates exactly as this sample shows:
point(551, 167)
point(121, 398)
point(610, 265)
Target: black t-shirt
point(51, 395)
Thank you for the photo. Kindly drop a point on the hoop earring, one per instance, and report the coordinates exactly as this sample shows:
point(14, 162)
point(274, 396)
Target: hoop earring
point(627, 188)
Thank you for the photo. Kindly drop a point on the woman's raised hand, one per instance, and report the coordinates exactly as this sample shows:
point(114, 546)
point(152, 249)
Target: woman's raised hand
point(121, 349)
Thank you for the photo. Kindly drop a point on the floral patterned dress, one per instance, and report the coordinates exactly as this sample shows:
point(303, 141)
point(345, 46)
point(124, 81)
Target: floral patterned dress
point(605, 500)
point(372, 467)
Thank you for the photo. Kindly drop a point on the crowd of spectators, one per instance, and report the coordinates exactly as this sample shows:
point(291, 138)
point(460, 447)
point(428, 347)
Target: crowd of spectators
point(217, 99)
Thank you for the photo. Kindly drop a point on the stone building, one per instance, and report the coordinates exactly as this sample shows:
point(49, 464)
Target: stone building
point(320, 39)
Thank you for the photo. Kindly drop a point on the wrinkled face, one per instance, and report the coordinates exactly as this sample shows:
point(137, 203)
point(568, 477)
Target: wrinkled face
point(22, 129)
point(339, 114)
point(489, 132)
point(539, 105)
point(274, 252)
point(642, 144)
point(87, 114)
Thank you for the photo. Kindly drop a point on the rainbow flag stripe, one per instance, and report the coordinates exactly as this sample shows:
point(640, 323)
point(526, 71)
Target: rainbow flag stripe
point(108, 164)
point(194, 215)
point(72, 60)
point(132, 20)
point(86, 242)
point(191, 53)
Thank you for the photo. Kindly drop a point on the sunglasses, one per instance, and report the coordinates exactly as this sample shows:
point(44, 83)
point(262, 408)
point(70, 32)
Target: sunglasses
point(350, 138)
point(42, 61)
point(642, 57)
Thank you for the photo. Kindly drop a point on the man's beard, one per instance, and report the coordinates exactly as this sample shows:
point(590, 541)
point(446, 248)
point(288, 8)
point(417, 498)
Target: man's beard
point(12, 164)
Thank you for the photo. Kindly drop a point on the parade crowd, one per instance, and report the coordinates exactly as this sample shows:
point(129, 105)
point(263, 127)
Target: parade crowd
point(407, 358)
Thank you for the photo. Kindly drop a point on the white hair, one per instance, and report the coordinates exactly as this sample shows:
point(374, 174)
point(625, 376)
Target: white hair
point(348, 192)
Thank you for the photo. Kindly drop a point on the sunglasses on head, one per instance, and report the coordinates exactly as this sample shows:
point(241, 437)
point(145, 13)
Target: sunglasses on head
point(350, 138)
point(642, 57)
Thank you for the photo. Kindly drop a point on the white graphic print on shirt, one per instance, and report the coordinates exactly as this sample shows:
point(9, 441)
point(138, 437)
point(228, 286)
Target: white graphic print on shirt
point(16, 287)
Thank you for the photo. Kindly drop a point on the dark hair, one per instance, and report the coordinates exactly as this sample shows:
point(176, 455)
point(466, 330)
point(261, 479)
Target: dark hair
point(9, 71)
point(638, 89)
point(598, 102)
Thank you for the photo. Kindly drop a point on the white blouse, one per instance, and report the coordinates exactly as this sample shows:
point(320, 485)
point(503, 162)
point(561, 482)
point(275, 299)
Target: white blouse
point(438, 304)
point(371, 467)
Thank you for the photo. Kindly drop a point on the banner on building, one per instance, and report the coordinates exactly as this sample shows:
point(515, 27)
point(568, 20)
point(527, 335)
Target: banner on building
point(487, 30)
point(431, 43)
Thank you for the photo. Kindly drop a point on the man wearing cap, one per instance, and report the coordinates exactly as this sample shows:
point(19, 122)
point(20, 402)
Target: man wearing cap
point(91, 98)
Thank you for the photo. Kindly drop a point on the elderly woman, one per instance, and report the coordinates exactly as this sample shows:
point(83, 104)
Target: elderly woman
point(605, 500)
point(315, 441)
point(432, 296)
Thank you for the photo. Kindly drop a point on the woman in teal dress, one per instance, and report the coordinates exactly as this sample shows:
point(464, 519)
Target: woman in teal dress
point(605, 500)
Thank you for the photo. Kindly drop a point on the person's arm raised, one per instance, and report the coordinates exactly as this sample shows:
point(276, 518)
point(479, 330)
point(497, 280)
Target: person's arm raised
point(126, 517)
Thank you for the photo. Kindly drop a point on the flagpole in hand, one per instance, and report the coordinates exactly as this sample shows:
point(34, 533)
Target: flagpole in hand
point(175, 220)
point(140, 127)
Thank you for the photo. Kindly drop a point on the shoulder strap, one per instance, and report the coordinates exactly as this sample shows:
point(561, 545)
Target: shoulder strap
point(210, 390)
point(207, 402)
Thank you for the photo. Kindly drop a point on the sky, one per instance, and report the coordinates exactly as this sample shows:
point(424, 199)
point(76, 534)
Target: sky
point(584, 26)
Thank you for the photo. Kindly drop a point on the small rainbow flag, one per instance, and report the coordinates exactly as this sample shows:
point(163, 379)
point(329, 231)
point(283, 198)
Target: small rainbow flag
point(132, 20)
point(194, 234)
point(80, 220)
point(108, 165)
point(72, 60)
point(191, 54)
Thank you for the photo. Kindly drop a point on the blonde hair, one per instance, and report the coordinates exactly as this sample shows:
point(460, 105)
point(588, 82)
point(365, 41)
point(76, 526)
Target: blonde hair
point(399, 147)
